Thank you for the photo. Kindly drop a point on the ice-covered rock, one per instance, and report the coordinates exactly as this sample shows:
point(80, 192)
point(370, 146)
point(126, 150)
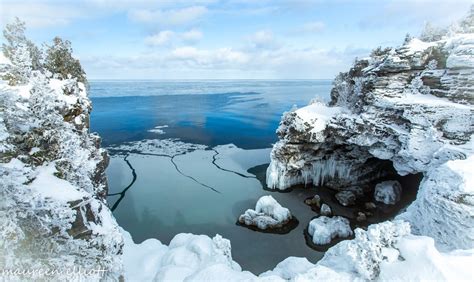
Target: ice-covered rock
point(323, 229)
point(325, 210)
point(408, 108)
point(268, 214)
point(444, 207)
point(345, 198)
point(315, 201)
point(388, 192)
point(390, 108)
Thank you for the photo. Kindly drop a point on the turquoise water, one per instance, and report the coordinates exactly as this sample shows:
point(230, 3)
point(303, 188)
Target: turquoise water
point(174, 195)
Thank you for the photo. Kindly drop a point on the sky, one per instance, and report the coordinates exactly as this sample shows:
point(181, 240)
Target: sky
point(226, 39)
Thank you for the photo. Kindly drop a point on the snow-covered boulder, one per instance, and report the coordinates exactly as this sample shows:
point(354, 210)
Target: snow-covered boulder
point(323, 229)
point(325, 210)
point(388, 192)
point(268, 214)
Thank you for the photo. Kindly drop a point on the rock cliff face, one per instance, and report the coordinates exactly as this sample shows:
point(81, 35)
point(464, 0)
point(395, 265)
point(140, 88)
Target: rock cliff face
point(409, 107)
point(52, 177)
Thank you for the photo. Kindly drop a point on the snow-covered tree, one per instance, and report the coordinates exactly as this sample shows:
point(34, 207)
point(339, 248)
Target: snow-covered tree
point(14, 34)
point(59, 60)
point(432, 33)
point(467, 24)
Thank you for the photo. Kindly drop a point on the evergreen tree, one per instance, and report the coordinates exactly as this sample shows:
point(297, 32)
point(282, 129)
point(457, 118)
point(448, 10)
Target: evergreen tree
point(59, 61)
point(14, 34)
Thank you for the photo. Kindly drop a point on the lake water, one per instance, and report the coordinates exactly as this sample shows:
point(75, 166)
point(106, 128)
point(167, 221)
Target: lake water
point(162, 137)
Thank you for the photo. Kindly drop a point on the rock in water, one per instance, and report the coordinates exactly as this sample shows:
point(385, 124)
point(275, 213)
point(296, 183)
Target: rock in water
point(268, 214)
point(323, 229)
point(316, 201)
point(346, 198)
point(388, 192)
point(325, 210)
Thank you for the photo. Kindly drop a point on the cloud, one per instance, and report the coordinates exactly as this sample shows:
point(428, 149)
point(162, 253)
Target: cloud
point(398, 14)
point(39, 14)
point(313, 27)
point(192, 35)
point(169, 37)
point(193, 62)
point(161, 38)
point(216, 58)
point(263, 39)
point(170, 17)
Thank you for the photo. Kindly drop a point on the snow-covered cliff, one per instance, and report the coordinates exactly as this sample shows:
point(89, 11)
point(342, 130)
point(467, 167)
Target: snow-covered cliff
point(53, 213)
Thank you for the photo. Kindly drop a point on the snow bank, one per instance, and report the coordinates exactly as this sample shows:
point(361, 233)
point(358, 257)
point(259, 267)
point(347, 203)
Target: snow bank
point(268, 214)
point(423, 262)
point(188, 257)
point(48, 185)
point(289, 268)
point(444, 207)
point(323, 229)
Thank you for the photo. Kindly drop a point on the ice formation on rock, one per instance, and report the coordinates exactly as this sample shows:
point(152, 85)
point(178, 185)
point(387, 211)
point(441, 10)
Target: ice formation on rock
point(388, 192)
point(268, 214)
point(323, 229)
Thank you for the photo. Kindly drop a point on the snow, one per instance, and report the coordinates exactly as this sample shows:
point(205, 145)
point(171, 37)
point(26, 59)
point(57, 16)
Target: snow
point(268, 213)
point(416, 45)
point(4, 60)
point(325, 210)
point(141, 260)
point(289, 268)
point(323, 229)
point(426, 100)
point(388, 192)
point(50, 186)
point(318, 115)
point(444, 207)
point(423, 262)
point(188, 257)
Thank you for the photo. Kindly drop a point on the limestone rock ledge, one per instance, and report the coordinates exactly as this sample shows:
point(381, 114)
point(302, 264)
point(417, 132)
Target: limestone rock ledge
point(410, 107)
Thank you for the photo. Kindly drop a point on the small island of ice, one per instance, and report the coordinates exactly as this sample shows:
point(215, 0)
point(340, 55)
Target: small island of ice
point(268, 214)
point(323, 229)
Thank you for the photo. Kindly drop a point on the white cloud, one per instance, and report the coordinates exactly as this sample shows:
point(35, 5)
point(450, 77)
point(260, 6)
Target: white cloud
point(40, 15)
point(398, 14)
point(217, 58)
point(263, 39)
point(316, 26)
point(192, 35)
point(168, 17)
point(161, 38)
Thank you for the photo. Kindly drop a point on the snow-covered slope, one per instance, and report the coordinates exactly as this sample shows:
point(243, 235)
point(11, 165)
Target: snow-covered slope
point(53, 214)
